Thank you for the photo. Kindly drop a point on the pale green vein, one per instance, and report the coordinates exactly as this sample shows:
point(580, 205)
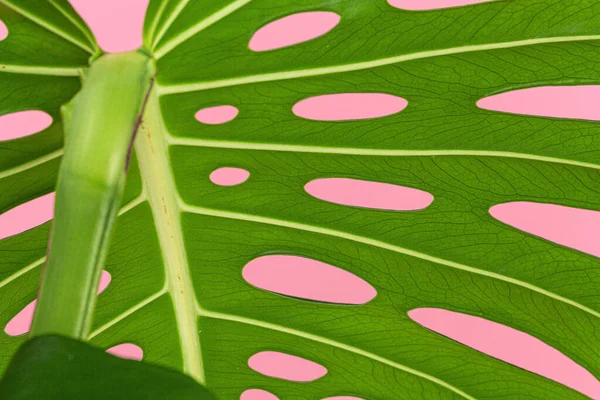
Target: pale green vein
point(169, 20)
point(46, 25)
point(276, 76)
point(157, 18)
point(134, 203)
point(382, 245)
point(127, 313)
point(370, 152)
point(266, 325)
point(78, 23)
point(35, 70)
point(40, 261)
point(31, 164)
point(205, 23)
point(22, 271)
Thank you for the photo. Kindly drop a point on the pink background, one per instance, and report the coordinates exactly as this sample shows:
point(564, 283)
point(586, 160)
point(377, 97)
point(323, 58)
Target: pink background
point(117, 25)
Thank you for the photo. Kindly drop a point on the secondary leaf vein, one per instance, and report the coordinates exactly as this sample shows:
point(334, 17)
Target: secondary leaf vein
point(276, 76)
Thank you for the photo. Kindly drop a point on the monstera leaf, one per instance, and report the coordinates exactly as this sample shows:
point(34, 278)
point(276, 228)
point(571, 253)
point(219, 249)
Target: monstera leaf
point(182, 242)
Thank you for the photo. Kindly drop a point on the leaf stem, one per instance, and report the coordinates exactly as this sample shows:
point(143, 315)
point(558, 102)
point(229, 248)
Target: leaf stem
point(100, 123)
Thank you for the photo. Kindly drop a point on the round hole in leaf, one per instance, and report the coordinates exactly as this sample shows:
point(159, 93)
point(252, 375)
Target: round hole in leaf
point(228, 176)
point(217, 115)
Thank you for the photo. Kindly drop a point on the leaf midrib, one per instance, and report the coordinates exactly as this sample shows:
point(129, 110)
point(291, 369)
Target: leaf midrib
point(159, 187)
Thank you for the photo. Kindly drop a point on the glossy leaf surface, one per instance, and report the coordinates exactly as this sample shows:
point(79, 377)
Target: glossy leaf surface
point(53, 367)
point(180, 247)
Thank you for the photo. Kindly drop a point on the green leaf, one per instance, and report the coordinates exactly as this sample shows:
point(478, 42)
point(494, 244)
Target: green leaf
point(53, 367)
point(40, 63)
point(180, 246)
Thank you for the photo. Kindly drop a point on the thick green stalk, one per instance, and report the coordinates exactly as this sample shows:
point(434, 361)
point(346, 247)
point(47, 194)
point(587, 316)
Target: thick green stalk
point(100, 124)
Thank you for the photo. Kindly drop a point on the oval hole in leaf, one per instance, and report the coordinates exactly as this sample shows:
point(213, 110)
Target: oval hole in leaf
point(349, 106)
point(105, 279)
point(419, 5)
point(23, 123)
point(573, 102)
point(128, 351)
point(3, 31)
point(307, 279)
point(509, 345)
point(293, 29)
point(257, 394)
point(572, 227)
point(21, 323)
point(368, 194)
point(27, 216)
point(343, 398)
point(217, 115)
point(285, 366)
point(228, 176)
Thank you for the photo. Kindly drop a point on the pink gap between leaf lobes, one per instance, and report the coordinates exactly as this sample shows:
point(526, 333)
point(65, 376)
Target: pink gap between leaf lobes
point(116, 24)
